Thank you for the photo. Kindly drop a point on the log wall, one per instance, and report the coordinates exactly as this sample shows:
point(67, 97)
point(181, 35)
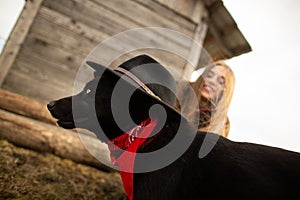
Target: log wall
point(62, 33)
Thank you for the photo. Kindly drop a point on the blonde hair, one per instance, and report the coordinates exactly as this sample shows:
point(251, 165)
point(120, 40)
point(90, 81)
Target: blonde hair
point(218, 121)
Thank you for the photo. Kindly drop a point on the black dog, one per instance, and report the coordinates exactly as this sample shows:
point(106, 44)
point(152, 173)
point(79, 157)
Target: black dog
point(231, 170)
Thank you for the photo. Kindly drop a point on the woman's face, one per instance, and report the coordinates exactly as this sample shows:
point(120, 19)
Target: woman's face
point(214, 83)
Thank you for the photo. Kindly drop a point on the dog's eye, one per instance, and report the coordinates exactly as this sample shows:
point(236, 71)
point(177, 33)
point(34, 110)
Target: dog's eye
point(88, 91)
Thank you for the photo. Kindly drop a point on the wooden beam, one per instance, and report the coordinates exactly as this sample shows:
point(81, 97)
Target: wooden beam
point(17, 37)
point(197, 46)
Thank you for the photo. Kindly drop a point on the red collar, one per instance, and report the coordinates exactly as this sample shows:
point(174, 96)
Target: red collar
point(123, 151)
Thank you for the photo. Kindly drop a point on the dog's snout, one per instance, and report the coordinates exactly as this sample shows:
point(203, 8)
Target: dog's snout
point(51, 105)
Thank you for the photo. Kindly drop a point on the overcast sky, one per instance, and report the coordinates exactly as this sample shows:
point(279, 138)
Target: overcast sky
point(265, 107)
point(9, 12)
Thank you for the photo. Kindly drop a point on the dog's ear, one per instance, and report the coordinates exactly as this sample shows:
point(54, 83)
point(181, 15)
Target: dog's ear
point(99, 69)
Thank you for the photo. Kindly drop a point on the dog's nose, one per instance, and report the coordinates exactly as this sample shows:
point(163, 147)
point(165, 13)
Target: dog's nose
point(51, 105)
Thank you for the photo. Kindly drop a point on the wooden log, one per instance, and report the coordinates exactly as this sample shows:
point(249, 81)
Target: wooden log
point(44, 137)
point(24, 106)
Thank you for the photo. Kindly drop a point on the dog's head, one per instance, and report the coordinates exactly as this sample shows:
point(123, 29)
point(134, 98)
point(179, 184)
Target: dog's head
point(107, 94)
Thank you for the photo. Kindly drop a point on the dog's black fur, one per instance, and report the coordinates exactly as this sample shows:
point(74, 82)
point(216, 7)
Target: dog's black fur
point(232, 170)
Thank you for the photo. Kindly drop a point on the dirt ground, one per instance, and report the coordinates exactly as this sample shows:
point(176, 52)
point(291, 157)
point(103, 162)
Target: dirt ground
point(26, 174)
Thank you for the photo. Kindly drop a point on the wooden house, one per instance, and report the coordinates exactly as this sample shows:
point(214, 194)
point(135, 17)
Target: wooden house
point(52, 38)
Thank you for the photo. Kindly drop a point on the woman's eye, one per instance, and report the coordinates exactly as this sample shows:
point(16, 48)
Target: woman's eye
point(88, 91)
point(221, 81)
point(209, 74)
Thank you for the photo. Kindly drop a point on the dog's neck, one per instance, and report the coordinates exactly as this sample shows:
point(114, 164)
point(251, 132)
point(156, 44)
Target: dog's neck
point(163, 136)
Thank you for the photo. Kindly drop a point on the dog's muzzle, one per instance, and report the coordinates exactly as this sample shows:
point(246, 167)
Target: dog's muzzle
point(61, 118)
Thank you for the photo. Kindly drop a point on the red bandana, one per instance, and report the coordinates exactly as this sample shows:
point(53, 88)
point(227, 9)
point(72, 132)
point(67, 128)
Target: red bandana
point(130, 142)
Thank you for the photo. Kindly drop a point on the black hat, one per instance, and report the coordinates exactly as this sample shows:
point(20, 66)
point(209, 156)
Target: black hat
point(147, 75)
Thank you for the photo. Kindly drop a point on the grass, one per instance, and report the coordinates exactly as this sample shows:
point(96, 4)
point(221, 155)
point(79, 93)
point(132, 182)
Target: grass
point(26, 174)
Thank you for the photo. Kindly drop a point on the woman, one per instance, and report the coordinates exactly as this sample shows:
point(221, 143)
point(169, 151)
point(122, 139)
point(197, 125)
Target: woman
point(213, 90)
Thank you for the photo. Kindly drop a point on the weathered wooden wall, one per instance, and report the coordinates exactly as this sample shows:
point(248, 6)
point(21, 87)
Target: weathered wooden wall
point(190, 9)
point(63, 32)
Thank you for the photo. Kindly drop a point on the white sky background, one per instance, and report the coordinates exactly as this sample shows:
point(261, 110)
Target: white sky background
point(9, 13)
point(266, 104)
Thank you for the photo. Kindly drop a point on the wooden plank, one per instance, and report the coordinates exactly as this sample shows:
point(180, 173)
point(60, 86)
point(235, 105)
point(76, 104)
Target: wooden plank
point(182, 7)
point(114, 15)
point(47, 31)
point(44, 137)
point(70, 40)
point(54, 57)
point(102, 18)
point(44, 71)
point(143, 15)
point(91, 14)
point(17, 37)
point(42, 91)
point(71, 24)
point(170, 14)
point(191, 9)
point(50, 74)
